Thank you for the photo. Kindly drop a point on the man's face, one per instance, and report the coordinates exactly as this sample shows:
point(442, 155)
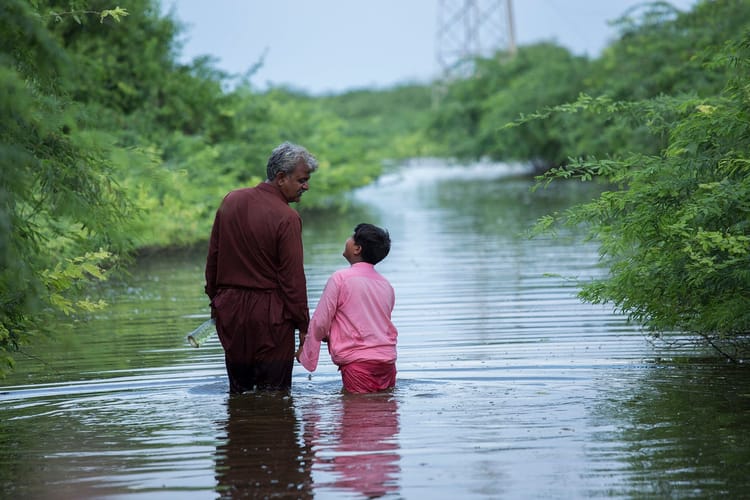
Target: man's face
point(293, 185)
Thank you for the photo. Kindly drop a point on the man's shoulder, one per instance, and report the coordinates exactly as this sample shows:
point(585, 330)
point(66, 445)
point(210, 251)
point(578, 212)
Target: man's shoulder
point(258, 189)
point(239, 193)
point(260, 194)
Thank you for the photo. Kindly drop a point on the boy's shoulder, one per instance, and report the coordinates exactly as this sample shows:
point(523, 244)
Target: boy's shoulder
point(360, 270)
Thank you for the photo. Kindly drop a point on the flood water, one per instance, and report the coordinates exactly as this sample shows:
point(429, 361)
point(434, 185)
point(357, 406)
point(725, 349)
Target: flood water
point(508, 386)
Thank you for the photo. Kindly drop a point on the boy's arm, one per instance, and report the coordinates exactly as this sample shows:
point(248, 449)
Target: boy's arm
point(320, 325)
point(309, 353)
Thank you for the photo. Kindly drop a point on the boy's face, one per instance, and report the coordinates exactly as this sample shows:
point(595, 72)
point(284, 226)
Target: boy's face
point(352, 251)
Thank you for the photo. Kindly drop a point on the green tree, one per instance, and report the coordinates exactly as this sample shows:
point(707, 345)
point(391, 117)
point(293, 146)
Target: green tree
point(59, 202)
point(539, 76)
point(661, 50)
point(391, 122)
point(676, 234)
point(471, 117)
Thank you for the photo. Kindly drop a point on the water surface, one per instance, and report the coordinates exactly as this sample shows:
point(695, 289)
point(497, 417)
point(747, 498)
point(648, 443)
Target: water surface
point(508, 386)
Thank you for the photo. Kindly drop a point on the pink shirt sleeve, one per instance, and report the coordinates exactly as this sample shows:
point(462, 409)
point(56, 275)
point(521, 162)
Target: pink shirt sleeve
point(310, 353)
point(320, 325)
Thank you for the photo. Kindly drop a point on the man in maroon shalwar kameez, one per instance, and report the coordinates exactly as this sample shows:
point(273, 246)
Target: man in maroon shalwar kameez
point(255, 276)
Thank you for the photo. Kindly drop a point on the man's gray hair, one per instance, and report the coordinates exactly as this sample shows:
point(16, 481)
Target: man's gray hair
point(285, 158)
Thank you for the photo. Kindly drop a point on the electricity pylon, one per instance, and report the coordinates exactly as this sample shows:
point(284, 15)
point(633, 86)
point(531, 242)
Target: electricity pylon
point(468, 29)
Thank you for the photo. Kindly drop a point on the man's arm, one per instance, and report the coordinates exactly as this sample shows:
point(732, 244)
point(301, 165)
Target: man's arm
point(291, 272)
point(212, 259)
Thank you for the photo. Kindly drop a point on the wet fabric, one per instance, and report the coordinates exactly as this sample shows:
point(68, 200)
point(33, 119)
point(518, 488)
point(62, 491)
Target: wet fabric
point(368, 376)
point(256, 282)
point(258, 343)
point(264, 376)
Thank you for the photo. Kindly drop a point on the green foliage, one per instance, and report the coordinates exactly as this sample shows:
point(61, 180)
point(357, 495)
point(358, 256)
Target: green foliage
point(660, 51)
point(390, 122)
point(676, 234)
point(525, 89)
point(59, 200)
point(472, 114)
point(75, 274)
point(181, 140)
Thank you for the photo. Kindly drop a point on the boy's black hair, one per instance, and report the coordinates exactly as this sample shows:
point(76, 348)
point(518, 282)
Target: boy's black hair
point(375, 242)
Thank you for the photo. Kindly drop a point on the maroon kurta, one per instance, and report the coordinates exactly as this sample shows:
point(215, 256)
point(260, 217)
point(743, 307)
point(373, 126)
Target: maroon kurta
point(255, 276)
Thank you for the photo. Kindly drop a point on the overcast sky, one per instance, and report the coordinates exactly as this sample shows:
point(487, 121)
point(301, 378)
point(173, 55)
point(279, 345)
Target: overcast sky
point(324, 46)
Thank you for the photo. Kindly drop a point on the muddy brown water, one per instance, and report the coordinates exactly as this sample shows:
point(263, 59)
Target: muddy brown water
point(508, 385)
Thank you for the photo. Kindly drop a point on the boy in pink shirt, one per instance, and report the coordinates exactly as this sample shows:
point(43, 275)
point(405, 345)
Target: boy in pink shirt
point(354, 316)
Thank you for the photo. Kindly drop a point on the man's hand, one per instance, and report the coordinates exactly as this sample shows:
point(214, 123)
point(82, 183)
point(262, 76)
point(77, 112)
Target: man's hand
point(302, 336)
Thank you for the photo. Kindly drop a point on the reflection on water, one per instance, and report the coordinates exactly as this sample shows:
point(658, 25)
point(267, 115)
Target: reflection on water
point(355, 442)
point(683, 431)
point(508, 386)
point(273, 443)
point(261, 455)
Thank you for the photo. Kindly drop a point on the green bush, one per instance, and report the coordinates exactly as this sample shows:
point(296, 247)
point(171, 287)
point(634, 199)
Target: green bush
point(675, 235)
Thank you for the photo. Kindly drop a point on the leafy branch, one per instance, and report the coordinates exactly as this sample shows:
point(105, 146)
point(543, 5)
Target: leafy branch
point(117, 14)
